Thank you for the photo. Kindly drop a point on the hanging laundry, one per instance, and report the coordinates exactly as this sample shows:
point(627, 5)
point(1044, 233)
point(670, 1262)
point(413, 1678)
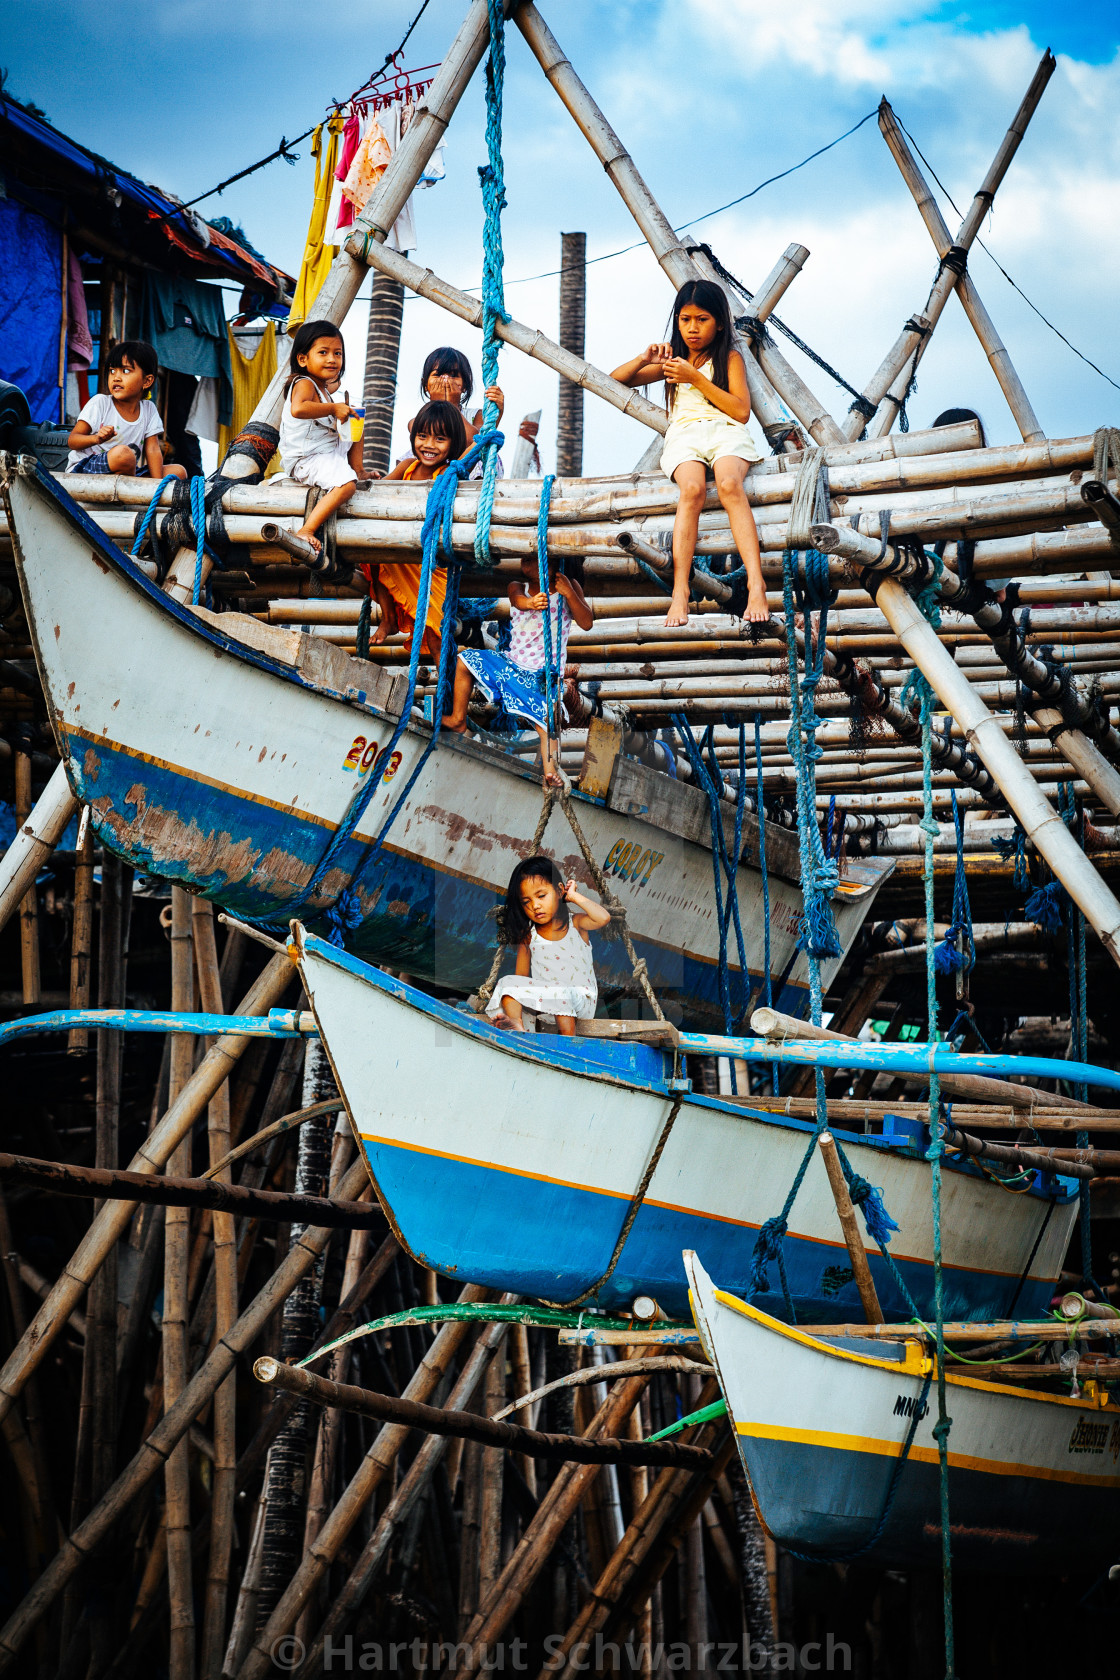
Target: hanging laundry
point(402, 234)
point(202, 416)
point(317, 256)
point(79, 340)
point(369, 165)
point(185, 321)
point(341, 213)
point(252, 353)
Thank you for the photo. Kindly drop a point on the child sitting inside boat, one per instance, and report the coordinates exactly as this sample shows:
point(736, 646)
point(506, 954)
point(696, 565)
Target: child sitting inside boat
point(555, 974)
point(517, 683)
point(119, 430)
point(439, 436)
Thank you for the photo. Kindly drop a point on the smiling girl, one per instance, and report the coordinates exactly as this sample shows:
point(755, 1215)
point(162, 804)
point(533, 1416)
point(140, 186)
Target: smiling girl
point(310, 448)
point(709, 406)
point(439, 437)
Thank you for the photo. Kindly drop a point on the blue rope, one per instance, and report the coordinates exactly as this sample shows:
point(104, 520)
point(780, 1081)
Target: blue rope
point(493, 181)
point(767, 981)
point(724, 868)
point(435, 538)
point(819, 874)
point(150, 512)
point(198, 520)
point(947, 959)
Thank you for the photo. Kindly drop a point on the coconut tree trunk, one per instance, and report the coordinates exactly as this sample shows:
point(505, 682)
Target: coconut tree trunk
point(573, 309)
point(383, 344)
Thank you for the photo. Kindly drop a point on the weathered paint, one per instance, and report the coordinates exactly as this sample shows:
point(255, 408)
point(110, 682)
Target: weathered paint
point(509, 1159)
point(209, 762)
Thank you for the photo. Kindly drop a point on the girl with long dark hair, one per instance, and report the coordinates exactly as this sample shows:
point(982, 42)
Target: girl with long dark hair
point(709, 406)
point(310, 448)
point(554, 973)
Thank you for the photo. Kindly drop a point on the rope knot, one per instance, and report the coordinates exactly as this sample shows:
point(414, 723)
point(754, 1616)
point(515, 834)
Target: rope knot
point(767, 1250)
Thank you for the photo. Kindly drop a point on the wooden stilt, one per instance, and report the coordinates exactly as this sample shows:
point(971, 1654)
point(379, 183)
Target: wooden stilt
point(573, 301)
point(175, 1315)
point(81, 934)
point(865, 1283)
point(29, 904)
point(383, 347)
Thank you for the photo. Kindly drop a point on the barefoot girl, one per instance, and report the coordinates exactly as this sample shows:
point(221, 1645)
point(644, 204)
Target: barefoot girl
point(438, 437)
point(517, 683)
point(554, 973)
point(709, 406)
point(310, 448)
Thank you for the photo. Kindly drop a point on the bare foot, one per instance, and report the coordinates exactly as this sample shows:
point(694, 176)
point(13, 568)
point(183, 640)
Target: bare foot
point(678, 610)
point(758, 612)
point(309, 536)
point(508, 1025)
point(379, 634)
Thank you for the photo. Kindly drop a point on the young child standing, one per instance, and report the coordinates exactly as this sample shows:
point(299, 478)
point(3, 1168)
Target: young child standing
point(709, 405)
point(310, 448)
point(517, 683)
point(554, 973)
point(119, 429)
point(438, 436)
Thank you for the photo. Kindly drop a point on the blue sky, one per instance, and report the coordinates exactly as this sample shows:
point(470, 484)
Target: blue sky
point(711, 96)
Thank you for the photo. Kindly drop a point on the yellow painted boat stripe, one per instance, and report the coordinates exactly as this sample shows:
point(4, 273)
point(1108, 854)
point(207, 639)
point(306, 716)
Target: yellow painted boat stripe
point(836, 1442)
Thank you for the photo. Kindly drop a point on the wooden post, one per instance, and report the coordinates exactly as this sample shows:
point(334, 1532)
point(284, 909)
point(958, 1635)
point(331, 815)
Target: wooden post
point(286, 1480)
point(490, 1491)
point(223, 1480)
point(116, 917)
point(865, 1283)
point(176, 1310)
point(81, 934)
point(383, 348)
point(29, 904)
point(573, 307)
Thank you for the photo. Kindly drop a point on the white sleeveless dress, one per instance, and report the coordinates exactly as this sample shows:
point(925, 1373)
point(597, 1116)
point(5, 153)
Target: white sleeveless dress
point(561, 982)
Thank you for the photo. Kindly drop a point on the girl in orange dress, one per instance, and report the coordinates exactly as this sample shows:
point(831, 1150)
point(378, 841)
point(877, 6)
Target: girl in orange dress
point(438, 437)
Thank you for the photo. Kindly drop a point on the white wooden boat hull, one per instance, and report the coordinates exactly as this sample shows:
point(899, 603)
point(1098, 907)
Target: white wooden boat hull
point(210, 762)
point(1034, 1479)
point(510, 1159)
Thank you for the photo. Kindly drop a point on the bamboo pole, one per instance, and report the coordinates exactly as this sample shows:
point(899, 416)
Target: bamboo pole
point(490, 1489)
point(110, 1224)
point(865, 1283)
point(29, 904)
point(35, 840)
point(223, 1488)
point(553, 1513)
point(980, 207)
point(486, 1353)
point(157, 1447)
point(530, 340)
point(176, 1308)
point(377, 1463)
point(982, 324)
point(81, 933)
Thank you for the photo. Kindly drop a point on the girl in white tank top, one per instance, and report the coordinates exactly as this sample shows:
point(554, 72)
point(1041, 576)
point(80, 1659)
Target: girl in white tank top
point(310, 448)
point(555, 974)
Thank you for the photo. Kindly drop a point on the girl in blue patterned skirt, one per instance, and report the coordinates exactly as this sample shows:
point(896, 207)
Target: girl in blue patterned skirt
point(516, 682)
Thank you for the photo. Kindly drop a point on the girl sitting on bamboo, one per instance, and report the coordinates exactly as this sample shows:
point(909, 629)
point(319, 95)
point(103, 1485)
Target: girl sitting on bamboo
point(554, 973)
point(709, 405)
point(517, 682)
point(310, 448)
point(438, 436)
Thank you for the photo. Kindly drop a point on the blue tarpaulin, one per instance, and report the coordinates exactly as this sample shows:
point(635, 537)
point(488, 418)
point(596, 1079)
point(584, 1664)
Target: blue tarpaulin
point(30, 306)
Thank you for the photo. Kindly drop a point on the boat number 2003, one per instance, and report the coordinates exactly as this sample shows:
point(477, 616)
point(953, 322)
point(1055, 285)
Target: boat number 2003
point(632, 862)
point(363, 755)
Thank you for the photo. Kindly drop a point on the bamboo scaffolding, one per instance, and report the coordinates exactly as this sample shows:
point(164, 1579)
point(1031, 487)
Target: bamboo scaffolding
point(177, 1497)
point(29, 903)
point(949, 272)
point(111, 1222)
point(158, 1446)
point(982, 324)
